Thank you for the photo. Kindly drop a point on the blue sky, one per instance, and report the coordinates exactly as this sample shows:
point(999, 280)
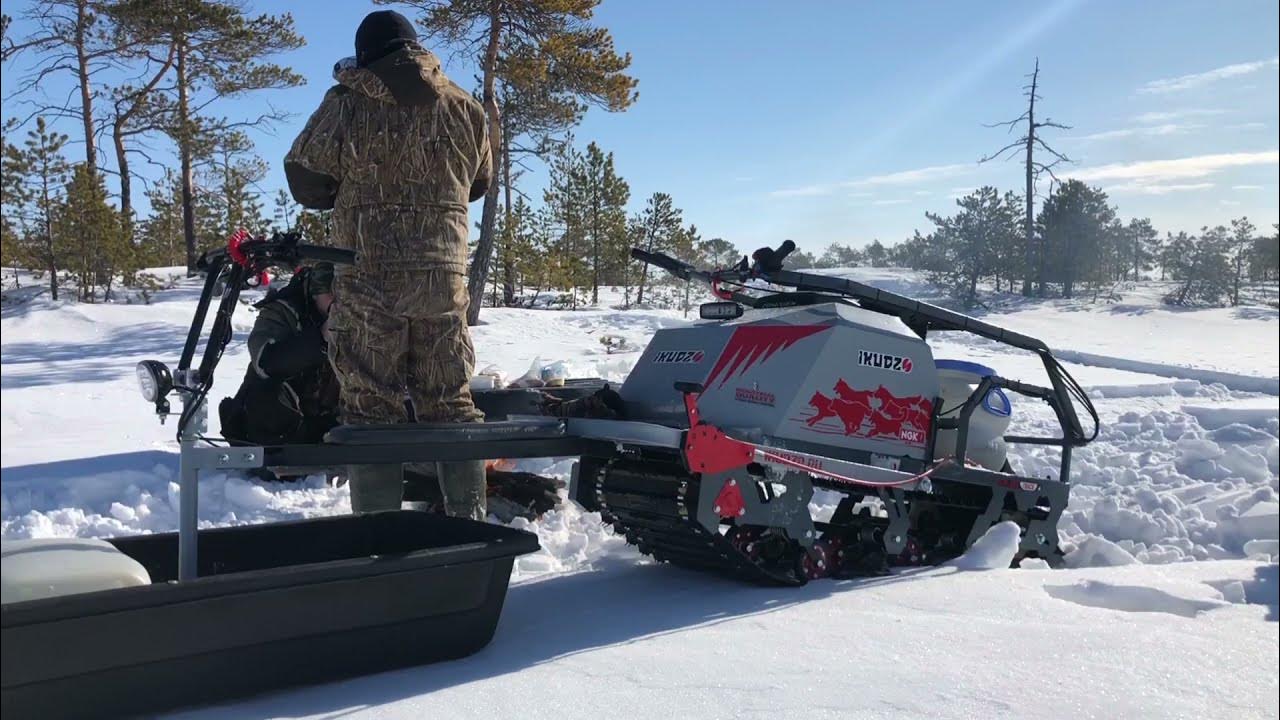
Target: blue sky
point(830, 121)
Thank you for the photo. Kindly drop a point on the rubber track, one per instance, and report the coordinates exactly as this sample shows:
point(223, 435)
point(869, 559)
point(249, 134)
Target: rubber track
point(654, 506)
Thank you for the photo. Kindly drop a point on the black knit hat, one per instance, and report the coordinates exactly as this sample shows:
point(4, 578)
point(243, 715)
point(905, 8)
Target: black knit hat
point(380, 34)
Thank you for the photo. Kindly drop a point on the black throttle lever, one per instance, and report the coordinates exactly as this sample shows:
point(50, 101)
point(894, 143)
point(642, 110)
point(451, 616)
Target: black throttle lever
point(768, 260)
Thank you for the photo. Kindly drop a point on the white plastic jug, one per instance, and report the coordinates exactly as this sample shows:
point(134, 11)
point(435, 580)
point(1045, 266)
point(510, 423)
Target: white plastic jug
point(957, 380)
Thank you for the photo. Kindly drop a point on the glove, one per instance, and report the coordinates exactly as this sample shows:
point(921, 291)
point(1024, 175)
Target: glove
point(346, 63)
point(304, 351)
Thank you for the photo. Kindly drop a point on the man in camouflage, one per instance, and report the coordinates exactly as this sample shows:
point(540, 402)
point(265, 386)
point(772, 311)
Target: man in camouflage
point(289, 393)
point(397, 150)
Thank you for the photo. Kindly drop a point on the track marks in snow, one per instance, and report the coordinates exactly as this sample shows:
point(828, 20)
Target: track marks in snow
point(1263, 589)
point(1130, 598)
point(1233, 381)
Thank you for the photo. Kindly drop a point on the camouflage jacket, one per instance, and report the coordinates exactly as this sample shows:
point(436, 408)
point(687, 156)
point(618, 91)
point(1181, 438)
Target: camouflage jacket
point(397, 150)
point(290, 406)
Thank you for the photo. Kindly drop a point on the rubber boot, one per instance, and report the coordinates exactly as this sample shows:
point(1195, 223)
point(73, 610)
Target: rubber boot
point(462, 484)
point(376, 487)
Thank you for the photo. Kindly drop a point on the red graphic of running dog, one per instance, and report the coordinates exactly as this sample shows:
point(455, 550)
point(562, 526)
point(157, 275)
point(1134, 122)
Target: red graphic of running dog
point(874, 413)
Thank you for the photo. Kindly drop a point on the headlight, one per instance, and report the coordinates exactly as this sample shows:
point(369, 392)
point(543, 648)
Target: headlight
point(154, 380)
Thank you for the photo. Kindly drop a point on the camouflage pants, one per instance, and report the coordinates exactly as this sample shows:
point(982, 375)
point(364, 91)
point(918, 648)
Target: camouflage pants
point(401, 333)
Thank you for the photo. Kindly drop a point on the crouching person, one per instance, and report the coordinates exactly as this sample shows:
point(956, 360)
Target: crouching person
point(290, 393)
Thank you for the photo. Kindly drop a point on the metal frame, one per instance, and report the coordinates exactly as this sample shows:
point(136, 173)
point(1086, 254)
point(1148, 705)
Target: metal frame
point(550, 438)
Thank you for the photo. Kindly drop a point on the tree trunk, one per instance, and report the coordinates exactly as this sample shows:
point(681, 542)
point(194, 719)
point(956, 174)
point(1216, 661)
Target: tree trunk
point(1031, 187)
point(126, 182)
point(1235, 288)
point(484, 248)
point(50, 257)
point(122, 156)
point(86, 93)
point(184, 153)
point(644, 272)
point(508, 259)
point(595, 249)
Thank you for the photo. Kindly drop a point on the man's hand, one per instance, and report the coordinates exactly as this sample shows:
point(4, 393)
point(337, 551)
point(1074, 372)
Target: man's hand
point(285, 359)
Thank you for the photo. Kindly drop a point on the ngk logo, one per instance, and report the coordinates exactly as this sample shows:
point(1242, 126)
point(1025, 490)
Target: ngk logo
point(678, 356)
point(884, 361)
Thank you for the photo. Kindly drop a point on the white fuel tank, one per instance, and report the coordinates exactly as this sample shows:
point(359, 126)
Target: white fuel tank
point(957, 380)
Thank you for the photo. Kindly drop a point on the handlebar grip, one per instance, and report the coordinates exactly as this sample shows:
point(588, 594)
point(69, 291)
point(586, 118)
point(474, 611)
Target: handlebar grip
point(320, 253)
point(785, 249)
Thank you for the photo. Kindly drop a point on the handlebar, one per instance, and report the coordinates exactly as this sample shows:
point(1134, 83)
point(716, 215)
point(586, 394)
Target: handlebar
point(280, 250)
point(321, 253)
point(678, 268)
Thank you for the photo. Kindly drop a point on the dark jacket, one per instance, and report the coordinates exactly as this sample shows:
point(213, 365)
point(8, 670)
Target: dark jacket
point(289, 393)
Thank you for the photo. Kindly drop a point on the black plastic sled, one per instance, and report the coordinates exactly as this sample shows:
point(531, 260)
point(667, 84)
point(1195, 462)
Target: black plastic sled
point(276, 605)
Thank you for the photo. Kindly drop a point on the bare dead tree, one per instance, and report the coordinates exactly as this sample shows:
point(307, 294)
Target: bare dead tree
point(1028, 143)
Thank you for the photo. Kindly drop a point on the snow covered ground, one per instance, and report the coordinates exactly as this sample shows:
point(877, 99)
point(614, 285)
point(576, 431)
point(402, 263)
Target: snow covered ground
point(1185, 469)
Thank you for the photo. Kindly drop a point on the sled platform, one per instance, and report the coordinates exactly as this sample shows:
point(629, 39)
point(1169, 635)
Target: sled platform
point(274, 606)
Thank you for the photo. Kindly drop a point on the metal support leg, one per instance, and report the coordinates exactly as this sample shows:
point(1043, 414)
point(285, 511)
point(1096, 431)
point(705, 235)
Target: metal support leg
point(188, 513)
point(189, 487)
point(193, 458)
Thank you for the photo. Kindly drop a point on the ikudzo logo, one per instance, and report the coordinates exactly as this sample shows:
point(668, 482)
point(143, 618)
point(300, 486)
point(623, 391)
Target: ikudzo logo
point(884, 361)
point(678, 356)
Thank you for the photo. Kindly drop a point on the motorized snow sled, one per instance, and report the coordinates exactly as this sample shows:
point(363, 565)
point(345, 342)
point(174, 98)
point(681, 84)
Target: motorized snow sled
point(794, 382)
point(811, 382)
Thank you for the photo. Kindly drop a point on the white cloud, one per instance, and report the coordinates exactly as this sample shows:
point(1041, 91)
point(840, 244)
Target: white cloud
point(1142, 188)
point(1149, 118)
point(804, 191)
point(743, 178)
point(924, 193)
point(1246, 126)
point(914, 177)
point(890, 202)
point(1194, 80)
point(1149, 131)
point(1159, 171)
point(1231, 203)
point(903, 177)
point(1248, 187)
point(861, 194)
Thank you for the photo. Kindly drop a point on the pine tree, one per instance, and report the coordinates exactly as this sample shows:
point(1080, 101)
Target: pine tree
point(839, 256)
point(92, 243)
point(220, 51)
point(969, 240)
point(1239, 245)
point(14, 199)
point(69, 37)
point(230, 178)
point(601, 199)
point(283, 212)
point(720, 253)
point(160, 234)
point(1200, 267)
point(1264, 258)
point(39, 173)
point(658, 226)
point(800, 260)
point(1075, 222)
point(315, 226)
point(1141, 242)
point(876, 254)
